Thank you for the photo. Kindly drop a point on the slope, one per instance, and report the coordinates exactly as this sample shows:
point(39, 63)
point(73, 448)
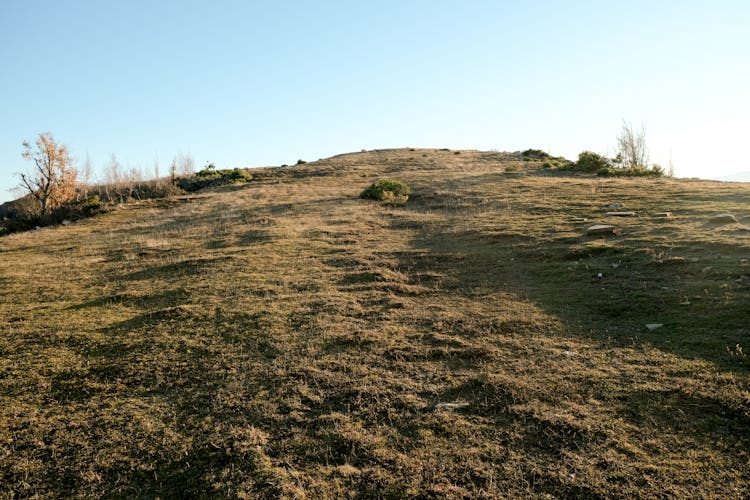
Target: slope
point(285, 338)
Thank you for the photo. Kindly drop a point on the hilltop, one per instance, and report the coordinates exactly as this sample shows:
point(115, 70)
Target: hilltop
point(285, 338)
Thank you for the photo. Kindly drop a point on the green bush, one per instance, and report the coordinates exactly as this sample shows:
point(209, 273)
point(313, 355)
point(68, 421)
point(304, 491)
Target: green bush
point(209, 176)
point(591, 162)
point(558, 162)
point(535, 154)
point(91, 204)
point(655, 171)
point(387, 190)
point(239, 175)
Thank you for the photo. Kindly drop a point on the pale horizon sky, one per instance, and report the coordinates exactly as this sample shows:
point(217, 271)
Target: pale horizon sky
point(256, 83)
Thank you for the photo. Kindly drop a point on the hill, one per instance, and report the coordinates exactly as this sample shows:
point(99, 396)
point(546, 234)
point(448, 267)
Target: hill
point(284, 338)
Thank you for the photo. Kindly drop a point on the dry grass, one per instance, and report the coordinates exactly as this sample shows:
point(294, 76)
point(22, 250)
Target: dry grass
point(284, 338)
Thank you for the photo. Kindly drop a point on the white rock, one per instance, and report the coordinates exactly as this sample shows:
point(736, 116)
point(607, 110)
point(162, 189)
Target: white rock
point(654, 326)
point(621, 214)
point(600, 229)
point(723, 218)
point(450, 406)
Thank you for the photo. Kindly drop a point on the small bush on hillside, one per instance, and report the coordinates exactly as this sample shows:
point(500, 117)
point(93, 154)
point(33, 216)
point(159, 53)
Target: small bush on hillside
point(91, 204)
point(209, 176)
point(591, 162)
point(535, 154)
point(387, 190)
point(559, 162)
point(655, 171)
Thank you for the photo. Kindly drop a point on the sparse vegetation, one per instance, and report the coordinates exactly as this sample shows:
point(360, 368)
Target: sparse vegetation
point(210, 176)
point(535, 154)
point(590, 162)
point(286, 340)
point(654, 171)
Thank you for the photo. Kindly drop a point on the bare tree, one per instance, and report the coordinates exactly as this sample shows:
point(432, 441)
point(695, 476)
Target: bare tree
point(86, 175)
point(113, 171)
point(53, 180)
point(631, 146)
point(173, 171)
point(185, 164)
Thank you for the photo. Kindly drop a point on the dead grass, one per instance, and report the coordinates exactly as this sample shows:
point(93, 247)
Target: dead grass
point(286, 339)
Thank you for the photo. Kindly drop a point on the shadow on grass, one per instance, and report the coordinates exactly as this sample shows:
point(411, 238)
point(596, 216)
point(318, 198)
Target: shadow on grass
point(167, 298)
point(560, 277)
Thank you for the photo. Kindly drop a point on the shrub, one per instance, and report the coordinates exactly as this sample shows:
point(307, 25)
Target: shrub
point(591, 162)
point(655, 171)
point(387, 190)
point(558, 162)
point(535, 154)
point(91, 204)
point(239, 175)
point(211, 177)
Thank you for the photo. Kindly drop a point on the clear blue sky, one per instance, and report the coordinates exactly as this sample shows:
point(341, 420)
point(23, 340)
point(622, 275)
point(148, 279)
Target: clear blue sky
point(257, 83)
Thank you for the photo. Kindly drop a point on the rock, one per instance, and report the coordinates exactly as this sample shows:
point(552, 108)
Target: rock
point(578, 219)
point(570, 354)
point(614, 206)
point(65, 222)
point(600, 276)
point(722, 218)
point(662, 215)
point(654, 326)
point(621, 214)
point(450, 406)
point(600, 229)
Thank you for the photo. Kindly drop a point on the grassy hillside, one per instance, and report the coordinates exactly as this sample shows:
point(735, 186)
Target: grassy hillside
point(285, 338)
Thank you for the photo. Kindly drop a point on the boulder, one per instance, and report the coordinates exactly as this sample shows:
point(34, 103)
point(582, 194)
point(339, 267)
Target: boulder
point(621, 214)
point(662, 215)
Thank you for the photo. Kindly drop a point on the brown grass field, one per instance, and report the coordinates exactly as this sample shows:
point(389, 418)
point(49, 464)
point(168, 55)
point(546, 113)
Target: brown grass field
point(284, 338)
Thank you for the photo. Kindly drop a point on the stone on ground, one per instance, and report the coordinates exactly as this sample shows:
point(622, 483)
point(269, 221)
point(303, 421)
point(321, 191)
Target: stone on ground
point(722, 218)
point(600, 229)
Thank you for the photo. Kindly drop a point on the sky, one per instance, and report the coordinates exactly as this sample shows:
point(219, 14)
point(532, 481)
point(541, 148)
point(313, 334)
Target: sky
point(257, 83)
